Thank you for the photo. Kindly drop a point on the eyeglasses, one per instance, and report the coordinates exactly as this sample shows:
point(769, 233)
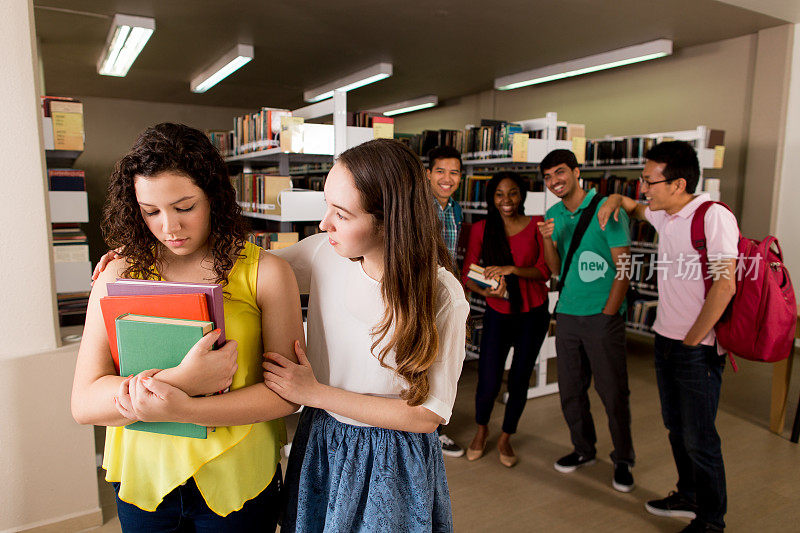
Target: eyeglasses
point(646, 183)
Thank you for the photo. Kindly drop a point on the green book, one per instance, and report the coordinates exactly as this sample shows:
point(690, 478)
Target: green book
point(146, 342)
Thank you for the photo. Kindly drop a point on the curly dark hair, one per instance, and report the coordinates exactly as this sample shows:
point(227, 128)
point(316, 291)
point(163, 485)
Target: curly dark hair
point(177, 148)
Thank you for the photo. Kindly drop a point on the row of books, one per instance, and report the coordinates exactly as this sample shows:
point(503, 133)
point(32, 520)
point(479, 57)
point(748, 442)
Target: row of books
point(153, 324)
point(631, 150)
point(270, 240)
point(252, 132)
point(258, 192)
point(71, 304)
point(472, 192)
point(642, 315)
point(643, 234)
point(222, 141)
point(607, 185)
point(62, 123)
point(66, 179)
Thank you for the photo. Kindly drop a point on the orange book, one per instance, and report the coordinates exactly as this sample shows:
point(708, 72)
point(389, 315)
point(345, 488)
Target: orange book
point(190, 306)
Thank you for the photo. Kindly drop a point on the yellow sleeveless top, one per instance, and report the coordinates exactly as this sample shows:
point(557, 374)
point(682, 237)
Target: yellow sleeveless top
point(234, 464)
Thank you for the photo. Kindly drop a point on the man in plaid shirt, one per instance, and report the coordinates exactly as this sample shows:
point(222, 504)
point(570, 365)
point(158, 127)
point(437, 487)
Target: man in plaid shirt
point(444, 171)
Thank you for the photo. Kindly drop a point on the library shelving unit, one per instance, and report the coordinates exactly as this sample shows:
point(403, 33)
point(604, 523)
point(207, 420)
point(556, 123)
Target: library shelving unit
point(62, 127)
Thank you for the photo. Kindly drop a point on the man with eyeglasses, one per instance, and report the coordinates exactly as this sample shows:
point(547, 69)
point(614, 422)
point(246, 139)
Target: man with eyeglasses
point(687, 361)
point(590, 329)
point(444, 173)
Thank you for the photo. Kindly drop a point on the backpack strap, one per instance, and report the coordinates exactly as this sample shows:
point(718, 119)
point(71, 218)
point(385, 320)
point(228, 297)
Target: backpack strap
point(577, 236)
point(699, 243)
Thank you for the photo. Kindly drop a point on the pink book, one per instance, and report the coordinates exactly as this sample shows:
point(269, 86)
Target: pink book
point(213, 292)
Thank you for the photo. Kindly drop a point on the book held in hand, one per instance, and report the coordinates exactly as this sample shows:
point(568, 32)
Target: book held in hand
point(213, 292)
point(192, 306)
point(145, 342)
point(476, 274)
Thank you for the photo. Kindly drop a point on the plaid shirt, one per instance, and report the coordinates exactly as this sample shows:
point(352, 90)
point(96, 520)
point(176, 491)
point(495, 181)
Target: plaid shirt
point(451, 218)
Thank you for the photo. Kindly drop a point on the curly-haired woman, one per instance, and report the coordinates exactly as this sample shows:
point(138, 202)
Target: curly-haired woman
point(386, 329)
point(171, 209)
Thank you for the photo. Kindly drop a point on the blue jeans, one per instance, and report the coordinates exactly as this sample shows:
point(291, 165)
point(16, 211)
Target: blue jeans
point(185, 510)
point(689, 380)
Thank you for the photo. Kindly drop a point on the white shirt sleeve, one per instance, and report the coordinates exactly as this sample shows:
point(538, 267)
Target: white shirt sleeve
point(300, 257)
point(722, 234)
point(451, 323)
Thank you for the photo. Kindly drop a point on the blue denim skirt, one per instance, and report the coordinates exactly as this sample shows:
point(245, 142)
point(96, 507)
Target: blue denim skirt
point(344, 478)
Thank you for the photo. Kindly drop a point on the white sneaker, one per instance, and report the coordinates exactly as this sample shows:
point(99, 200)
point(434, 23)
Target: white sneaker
point(449, 447)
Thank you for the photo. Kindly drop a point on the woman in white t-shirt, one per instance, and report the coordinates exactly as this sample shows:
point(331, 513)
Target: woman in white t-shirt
point(386, 332)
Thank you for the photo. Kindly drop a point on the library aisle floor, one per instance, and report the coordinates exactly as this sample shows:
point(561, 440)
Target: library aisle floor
point(763, 469)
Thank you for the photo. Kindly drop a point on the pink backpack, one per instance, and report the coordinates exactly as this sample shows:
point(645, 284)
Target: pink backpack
point(759, 323)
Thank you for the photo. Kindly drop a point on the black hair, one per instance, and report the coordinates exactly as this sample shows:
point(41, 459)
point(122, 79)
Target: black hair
point(443, 152)
point(680, 160)
point(496, 250)
point(556, 157)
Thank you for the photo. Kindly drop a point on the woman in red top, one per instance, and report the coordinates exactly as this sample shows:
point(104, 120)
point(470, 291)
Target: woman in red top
point(508, 244)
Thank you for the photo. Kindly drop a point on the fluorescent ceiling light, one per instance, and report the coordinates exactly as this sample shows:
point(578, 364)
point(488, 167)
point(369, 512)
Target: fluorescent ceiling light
point(348, 83)
point(408, 106)
point(126, 38)
point(236, 58)
point(576, 67)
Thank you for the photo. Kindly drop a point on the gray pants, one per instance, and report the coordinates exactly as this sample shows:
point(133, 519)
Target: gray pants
point(586, 346)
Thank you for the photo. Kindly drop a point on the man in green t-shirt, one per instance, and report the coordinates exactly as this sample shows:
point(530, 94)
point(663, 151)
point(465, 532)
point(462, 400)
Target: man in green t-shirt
point(590, 328)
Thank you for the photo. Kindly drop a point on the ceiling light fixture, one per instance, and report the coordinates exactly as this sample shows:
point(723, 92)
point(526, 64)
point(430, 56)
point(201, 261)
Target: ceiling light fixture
point(348, 83)
point(236, 58)
point(126, 38)
point(407, 106)
point(576, 67)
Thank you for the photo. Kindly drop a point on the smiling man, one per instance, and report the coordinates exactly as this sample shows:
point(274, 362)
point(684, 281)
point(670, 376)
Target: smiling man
point(590, 329)
point(688, 363)
point(444, 172)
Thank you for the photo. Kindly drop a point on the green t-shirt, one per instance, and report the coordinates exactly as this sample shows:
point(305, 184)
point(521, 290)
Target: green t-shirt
point(593, 270)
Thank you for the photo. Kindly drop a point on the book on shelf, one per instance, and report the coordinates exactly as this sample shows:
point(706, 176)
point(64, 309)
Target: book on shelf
point(258, 131)
point(258, 192)
point(212, 291)
point(192, 306)
point(492, 139)
point(146, 342)
point(641, 315)
point(66, 116)
point(66, 179)
point(222, 141)
point(72, 303)
point(383, 127)
point(270, 240)
point(607, 185)
point(472, 192)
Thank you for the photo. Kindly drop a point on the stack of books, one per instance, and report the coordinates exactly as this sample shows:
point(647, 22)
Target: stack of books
point(153, 324)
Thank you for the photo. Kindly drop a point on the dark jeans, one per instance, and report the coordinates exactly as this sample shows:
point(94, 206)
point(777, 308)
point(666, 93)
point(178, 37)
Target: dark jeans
point(586, 346)
point(689, 380)
point(525, 332)
point(185, 510)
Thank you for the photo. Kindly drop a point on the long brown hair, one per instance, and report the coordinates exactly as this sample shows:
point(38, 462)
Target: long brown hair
point(177, 148)
point(393, 188)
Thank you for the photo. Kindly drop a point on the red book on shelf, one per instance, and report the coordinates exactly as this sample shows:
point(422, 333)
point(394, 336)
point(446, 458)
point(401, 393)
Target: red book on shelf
point(192, 306)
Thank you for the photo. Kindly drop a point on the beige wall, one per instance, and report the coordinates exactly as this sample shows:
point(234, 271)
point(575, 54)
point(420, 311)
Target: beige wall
point(112, 126)
point(788, 215)
point(766, 130)
point(702, 85)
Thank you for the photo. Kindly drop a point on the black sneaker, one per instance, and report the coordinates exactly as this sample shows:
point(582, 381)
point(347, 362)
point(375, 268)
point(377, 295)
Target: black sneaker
point(570, 463)
point(675, 504)
point(449, 447)
point(696, 526)
point(623, 479)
